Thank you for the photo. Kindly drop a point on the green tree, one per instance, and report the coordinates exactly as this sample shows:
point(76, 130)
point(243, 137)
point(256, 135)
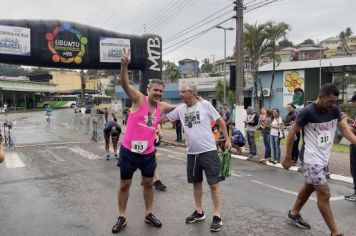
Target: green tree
point(206, 66)
point(344, 36)
point(307, 42)
point(285, 43)
point(170, 71)
point(256, 45)
point(219, 90)
point(273, 33)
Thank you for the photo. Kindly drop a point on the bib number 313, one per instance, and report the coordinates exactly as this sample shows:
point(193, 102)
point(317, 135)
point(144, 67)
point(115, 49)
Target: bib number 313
point(138, 146)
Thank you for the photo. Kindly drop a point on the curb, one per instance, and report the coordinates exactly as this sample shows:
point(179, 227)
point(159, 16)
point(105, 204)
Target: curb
point(340, 178)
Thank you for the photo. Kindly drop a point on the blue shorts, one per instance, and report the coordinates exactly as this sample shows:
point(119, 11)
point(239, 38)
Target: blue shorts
point(314, 174)
point(129, 162)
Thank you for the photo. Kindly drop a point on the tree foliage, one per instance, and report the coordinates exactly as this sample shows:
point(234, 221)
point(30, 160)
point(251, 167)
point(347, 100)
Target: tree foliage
point(170, 71)
point(307, 42)
point(344, 36)
point(206, 66)
point(285, 43)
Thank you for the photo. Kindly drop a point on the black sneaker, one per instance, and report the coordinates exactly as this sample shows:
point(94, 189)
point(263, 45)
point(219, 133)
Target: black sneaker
point(216, 225)
point(108, 157)
point(297, 220)
point(116, 157)
point(195, 217)
point(152, 220)
point(351, 197)
point(159, 186)
point(120, 224)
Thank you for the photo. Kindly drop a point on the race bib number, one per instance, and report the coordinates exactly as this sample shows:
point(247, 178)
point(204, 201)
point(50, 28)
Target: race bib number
point(324, 138)
point(138, 146)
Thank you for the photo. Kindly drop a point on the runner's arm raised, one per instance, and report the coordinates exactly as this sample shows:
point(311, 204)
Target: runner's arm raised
point(135, 95)
point(346, 131)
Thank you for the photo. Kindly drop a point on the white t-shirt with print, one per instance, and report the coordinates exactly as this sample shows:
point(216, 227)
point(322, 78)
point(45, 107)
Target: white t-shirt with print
point(275, 122)
point(199, 138)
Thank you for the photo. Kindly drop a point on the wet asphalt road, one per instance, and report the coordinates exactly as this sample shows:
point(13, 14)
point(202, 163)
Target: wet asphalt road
point(57, 183)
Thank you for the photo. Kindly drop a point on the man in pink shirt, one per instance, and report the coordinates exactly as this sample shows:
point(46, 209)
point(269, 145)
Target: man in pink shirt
point(137, 148)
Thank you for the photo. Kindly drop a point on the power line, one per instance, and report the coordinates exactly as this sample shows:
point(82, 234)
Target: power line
point(165, 10)
point(190, 27)
point(166, 21)
point(191, 38)
point(127, 16)
point(112, 14)
point(257, 7)
point(224, 14)
point(170, 15)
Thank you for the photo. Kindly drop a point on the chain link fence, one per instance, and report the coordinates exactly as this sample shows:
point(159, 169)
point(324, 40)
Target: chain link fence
point(90, 125)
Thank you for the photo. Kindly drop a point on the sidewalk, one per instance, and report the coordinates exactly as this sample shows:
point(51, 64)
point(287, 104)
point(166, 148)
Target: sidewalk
point(339, 164)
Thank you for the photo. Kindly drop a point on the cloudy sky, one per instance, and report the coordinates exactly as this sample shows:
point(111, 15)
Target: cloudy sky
point(315, 19)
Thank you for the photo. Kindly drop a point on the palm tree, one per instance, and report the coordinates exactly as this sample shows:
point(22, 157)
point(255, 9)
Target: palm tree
point(274, 33)
point(344, 36)
point(255, 43)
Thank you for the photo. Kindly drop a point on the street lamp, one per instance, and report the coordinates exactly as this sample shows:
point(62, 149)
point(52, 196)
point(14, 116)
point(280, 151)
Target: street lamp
point(224, 28)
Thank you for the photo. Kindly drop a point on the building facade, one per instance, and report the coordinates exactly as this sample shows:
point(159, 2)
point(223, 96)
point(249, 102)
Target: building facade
point(188, 68)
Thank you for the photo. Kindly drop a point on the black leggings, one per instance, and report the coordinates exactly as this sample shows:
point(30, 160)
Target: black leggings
point(295, 150)
point(353, 163)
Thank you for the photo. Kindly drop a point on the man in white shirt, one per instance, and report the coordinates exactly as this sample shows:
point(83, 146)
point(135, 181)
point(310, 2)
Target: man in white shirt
point(195, 116)
point(318, 121)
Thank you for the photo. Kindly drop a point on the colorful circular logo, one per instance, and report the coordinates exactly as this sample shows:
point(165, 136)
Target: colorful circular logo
point(66, 44)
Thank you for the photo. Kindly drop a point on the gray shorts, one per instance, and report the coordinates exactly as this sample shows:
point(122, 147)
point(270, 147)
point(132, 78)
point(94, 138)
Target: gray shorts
point(207, 161)
point(314, 174)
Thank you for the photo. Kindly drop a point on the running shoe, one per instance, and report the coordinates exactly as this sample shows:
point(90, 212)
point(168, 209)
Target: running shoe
point(351, 197)
point(152, 220)
point(216, 225)
point(116, 157)
point(120, 224)
point(297, 220)
point(108, 157)
point(159, 186)
point(196, 216)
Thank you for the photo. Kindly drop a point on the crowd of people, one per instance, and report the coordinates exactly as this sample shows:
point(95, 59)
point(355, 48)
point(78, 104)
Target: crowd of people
point(207, 130)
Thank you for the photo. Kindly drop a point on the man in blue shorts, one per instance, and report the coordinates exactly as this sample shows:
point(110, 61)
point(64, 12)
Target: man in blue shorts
point(318, 121)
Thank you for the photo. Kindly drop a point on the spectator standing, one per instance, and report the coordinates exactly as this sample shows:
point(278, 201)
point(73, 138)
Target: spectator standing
point(352, 197)
point(178, 126)
point(251, 125)
point(276, 126)
point(226, 115)
point(288, 122)
point(264, 124)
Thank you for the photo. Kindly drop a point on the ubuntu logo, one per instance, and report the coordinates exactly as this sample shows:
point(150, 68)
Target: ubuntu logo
point(66, 44)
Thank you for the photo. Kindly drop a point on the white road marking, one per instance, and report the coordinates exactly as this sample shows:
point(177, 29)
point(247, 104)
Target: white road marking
point(279, 165)
point(170, 151)
point(52, 154)
point(85, 153)
point(341, 178)
point(239, 157)
point(12, 160)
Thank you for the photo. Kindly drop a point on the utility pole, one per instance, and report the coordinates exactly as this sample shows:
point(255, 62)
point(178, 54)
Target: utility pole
point(240, 113)
point(239, 54)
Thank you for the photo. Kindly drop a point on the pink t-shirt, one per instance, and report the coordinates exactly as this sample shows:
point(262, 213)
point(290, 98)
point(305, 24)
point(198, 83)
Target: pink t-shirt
point(140, 134)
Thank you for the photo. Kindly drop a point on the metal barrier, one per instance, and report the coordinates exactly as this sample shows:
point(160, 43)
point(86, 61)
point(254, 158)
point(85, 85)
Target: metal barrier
point(90, 125)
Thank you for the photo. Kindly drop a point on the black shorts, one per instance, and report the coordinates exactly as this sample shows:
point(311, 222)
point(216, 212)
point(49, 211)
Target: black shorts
point(207, 161)
point(129, 162)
